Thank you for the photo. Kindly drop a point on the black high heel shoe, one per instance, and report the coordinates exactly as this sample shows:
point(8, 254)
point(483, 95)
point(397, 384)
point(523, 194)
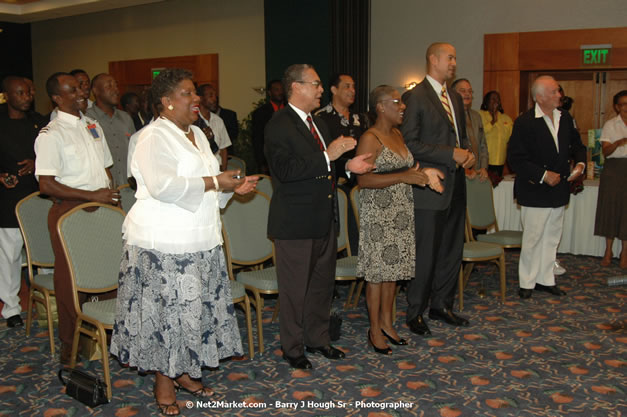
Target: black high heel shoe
point(399, 342)
point(384, 351)
point(202, 392)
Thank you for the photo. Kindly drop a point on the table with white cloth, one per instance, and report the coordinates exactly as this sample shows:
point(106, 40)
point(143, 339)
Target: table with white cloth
point(578, 234)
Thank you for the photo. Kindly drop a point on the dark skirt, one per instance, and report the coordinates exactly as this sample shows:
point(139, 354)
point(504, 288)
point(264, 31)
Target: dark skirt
point(611, 216)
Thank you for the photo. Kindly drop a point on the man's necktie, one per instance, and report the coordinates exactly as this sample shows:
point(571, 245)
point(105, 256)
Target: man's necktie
point(447, 108)
point(314, 132)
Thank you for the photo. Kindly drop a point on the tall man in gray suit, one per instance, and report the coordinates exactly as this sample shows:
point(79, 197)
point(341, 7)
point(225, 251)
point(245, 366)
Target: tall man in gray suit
point(434, 129)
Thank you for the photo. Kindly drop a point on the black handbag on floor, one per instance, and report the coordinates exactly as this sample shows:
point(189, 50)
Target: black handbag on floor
point(83, 387)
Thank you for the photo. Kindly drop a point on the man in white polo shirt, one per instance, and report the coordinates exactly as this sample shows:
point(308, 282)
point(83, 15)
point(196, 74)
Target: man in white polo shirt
point(72, 160)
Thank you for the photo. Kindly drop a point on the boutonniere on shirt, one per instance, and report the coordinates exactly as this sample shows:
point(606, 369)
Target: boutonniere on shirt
point(93, 131)
point(356, 120)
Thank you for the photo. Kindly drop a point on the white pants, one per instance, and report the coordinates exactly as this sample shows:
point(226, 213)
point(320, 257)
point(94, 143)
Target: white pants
point(11, 243)
point(542, 231)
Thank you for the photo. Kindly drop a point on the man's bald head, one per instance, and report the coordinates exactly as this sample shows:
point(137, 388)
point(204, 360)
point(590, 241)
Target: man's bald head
point(441, 61)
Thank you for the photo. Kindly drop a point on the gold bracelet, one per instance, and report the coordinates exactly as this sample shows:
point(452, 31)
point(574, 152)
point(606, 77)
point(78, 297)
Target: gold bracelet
point(215, 183)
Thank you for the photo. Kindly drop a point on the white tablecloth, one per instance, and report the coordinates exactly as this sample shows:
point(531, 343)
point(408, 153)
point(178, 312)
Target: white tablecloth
point(578, 235)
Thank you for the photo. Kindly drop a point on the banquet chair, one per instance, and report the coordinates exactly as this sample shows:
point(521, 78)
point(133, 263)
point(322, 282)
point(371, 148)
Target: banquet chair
point(32, 217)
point(92, 244)
point(479, 252)
point(265, 185)
point(355, 206)
point(127, 197)
point(236, 163)
point(245, 220)
point(346, 267)
point(481, 216)
point(239, 296)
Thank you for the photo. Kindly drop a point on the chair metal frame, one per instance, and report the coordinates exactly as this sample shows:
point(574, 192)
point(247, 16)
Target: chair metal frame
point(99, 333)
point(33, 260)
point(243, 301)
point(466, 270)
point(343, 243)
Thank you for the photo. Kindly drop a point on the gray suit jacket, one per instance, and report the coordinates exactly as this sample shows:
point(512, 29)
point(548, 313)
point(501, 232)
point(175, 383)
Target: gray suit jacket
point(481, 155)
point(431, 139)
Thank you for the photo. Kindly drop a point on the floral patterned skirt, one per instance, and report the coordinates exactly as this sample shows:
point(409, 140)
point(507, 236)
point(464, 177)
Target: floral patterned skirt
point(174, 312)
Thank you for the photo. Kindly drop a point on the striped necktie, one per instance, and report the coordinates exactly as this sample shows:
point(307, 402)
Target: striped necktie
point(314, 132)
point(447, 108)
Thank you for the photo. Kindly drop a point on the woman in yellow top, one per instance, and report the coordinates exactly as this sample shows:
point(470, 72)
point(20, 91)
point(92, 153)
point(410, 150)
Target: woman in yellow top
point(497, 127)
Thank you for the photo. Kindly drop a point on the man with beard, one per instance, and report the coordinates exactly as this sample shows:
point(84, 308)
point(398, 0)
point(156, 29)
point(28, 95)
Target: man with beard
point(18, 129)
point(72, 167)
point(117, 125)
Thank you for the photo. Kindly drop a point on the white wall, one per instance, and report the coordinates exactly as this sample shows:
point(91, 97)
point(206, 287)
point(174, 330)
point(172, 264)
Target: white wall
point(232, 29)
point(401, 31)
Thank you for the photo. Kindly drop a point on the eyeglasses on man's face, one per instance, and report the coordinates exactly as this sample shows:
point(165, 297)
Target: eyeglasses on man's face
point(316, 83)
point(393, 100)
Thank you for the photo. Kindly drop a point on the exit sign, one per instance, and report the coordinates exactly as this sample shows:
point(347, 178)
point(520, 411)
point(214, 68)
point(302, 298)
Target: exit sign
point(596, 55)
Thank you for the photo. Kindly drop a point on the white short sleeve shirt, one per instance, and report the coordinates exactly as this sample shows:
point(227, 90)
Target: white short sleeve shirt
point(74, 151)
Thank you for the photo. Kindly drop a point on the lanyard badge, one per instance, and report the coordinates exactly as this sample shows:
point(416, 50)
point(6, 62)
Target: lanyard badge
point(93, 131)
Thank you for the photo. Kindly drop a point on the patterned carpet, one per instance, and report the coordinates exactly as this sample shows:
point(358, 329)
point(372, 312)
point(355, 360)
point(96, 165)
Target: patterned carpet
point(547, 356)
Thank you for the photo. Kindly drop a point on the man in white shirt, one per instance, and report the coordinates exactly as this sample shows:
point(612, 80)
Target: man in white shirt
point(217, 130)
point(543, 141)
point(72, 160)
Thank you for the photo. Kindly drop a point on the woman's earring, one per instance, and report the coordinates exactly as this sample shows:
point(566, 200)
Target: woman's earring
point(170, 107)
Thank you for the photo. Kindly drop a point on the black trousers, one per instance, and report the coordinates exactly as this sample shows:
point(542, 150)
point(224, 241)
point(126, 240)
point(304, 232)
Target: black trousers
point(439, 249)
point(306, 276)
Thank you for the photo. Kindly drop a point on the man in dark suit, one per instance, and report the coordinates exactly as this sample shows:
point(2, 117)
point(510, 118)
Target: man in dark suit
point(542, 142)
point(261, 116)
point(434, 129)
point(302, 218)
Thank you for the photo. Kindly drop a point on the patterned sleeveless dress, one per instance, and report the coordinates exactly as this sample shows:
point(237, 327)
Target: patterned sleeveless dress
point(387, 244)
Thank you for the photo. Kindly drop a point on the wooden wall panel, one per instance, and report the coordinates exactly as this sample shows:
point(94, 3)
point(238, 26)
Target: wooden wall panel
point(507, 83)
point(133, 73)
point(560, 50)
point(500, 52)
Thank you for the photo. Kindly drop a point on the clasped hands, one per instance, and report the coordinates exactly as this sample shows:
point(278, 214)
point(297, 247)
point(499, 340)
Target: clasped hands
point(553, 178)
point(463, 157)
point(425, 176)
point(228, 182)
point(10, 180)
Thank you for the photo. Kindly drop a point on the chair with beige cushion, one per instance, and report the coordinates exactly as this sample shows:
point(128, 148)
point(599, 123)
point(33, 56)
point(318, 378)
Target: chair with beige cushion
point(346, 267)
point(245, 220)
point(481, 216)
point(32, 217)
point(479, 252)
point(91, 236)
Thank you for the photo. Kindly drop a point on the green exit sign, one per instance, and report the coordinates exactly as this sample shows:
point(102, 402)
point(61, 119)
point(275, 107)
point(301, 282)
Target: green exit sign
point(596, 55)
point(155, 72)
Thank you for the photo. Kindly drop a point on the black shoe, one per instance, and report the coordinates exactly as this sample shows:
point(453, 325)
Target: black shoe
point(328, 352)
point(383, 351)
point(524, 293)
point(15, 321)
point(418, 326)
point(447, 316)
point(399, 342)
point(551, 289)
point(300, 362)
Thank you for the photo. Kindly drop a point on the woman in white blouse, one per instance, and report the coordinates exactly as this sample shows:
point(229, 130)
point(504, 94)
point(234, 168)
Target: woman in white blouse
point(174, 312)
point(611, 216)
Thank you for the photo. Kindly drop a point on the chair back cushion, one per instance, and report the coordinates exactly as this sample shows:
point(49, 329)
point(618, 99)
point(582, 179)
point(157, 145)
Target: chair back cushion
point(127, 198)
point(355, 202)
point(245, 220)
point(342, 237)
point(32, 215)
point(93, 244)
point(479, 203)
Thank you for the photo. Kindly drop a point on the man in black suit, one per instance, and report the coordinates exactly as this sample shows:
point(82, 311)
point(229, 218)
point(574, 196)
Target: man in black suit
point(542, 142)
point(302, 218)
point(434, 129)
point(261, 116)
